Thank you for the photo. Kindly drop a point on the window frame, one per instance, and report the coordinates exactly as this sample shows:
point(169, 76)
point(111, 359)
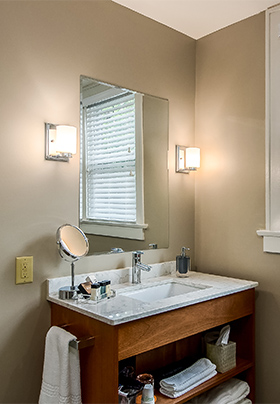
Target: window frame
point(271, 234)
point(130, 230)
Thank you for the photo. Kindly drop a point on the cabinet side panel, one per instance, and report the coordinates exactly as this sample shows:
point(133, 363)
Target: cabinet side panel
point(243, 333)
point(99, 364)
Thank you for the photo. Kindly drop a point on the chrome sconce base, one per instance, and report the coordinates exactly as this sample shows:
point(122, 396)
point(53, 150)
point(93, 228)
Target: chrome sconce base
point(186, 170)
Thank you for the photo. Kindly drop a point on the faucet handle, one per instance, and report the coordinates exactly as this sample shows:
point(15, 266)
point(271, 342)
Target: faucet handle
point(137, 253)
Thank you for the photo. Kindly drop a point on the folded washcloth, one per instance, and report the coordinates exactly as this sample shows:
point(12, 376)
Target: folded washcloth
point(188, 376)
point(232, 391)
point(61, 373)
point(187, 379)
point(178, 393)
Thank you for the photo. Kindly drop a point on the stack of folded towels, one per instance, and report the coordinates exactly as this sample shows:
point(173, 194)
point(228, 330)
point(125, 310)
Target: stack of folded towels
point(232, 391)
point(187, 379)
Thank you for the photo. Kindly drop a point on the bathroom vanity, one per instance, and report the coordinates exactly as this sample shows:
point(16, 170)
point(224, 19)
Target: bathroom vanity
point(151, 334)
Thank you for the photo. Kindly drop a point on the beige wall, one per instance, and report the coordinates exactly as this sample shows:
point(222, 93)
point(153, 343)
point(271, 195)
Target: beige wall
point(230, 187)
point(44, 47)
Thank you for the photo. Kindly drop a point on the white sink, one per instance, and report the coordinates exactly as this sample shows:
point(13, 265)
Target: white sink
point(162, 291)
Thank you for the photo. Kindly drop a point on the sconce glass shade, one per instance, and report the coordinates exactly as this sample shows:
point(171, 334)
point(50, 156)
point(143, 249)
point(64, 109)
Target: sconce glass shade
point(187, 159)
point(192, 158)
point(60, 142)
point(66, 141)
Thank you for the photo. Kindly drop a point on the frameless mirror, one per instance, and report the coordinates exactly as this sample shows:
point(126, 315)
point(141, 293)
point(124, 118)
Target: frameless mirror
point(72, 245)
point(123, 168)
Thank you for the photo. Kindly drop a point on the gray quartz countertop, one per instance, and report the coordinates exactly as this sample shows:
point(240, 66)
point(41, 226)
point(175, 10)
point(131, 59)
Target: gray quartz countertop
point(122, 308)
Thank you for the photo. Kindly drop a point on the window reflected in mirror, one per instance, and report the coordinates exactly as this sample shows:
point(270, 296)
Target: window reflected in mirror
point(123, 143)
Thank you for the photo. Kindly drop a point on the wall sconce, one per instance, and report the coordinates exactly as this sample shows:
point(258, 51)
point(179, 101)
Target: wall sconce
point(61, 142)
point(187, 159)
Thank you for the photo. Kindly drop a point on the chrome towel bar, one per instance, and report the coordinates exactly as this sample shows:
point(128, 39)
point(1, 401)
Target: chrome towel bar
point(79, 343)
point(82, 342)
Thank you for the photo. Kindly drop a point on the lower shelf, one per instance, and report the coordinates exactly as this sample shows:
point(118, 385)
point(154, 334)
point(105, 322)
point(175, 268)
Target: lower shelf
point(241, 366)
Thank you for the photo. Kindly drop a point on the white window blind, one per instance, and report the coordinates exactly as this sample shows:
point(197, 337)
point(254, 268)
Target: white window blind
point(110, 160)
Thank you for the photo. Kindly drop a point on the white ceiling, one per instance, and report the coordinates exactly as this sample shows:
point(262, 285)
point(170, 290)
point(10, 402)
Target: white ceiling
point(197, 18)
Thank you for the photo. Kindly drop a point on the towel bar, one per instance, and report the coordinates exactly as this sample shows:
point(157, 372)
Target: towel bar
point(81, 343)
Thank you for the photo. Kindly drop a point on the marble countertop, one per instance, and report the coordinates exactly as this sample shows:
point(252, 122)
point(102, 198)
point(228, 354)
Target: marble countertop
point(121, 308)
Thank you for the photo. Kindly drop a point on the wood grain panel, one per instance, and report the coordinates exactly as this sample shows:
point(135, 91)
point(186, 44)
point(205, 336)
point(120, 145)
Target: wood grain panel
point(99, 364)
point(150, 361)
point(152, 332)
point(155, 341)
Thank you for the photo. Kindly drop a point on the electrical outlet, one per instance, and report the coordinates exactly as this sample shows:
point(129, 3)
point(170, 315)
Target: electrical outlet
point(24, 269)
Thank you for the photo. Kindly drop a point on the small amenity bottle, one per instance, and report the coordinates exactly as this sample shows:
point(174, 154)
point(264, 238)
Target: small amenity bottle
point(148, 394)
point(95, 291)
point(183, 263)
point(108, 288)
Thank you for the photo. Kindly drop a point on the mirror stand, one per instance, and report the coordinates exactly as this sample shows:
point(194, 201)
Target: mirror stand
point(69, 292)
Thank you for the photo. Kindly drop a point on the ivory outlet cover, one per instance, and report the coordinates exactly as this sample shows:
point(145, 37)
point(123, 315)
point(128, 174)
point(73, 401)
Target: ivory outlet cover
point(24, 269)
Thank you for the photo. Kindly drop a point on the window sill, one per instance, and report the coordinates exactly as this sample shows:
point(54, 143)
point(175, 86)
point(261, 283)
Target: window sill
point(271, 240)
point(130, 231)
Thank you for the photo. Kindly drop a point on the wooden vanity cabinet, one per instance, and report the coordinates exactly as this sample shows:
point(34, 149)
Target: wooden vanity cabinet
point(155, 341)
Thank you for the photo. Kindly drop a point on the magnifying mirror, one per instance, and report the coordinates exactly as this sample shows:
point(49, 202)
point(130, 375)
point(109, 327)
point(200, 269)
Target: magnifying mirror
point(72, 245)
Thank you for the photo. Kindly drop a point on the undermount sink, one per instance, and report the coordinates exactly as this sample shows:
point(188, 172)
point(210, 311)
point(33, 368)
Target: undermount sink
point(162, 291)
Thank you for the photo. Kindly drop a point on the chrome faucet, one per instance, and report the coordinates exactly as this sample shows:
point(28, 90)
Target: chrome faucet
point(137, 266)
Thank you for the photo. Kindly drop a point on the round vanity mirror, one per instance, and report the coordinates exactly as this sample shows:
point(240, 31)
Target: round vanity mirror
point(72, 245)
point(72, 242)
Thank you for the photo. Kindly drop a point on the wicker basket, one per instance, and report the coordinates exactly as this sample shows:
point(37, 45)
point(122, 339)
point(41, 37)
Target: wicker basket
point(223, 356)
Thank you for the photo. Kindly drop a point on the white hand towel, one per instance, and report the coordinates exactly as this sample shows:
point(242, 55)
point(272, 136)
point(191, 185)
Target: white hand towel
point(178, 393)
point(232, 391)
point(61, 374)
point(187, 377)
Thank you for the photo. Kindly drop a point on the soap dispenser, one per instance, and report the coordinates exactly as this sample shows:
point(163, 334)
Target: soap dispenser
point(183, 263)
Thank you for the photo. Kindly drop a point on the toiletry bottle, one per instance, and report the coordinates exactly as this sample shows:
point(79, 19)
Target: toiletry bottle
point(183, 263)
point(103, 289)
point(148, 394)
point(108, 288)
point(95, 291)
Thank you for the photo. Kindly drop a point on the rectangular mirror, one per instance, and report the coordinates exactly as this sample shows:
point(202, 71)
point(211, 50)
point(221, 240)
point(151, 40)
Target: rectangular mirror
point(123, 168)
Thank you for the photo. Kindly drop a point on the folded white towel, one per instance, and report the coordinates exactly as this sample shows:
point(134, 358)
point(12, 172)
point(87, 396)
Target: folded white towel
point(232, 391)
point(61, 374)
point(177, 393)
point(187, 377)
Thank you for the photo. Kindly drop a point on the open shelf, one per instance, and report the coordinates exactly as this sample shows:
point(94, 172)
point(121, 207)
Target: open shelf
point(241, 366)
